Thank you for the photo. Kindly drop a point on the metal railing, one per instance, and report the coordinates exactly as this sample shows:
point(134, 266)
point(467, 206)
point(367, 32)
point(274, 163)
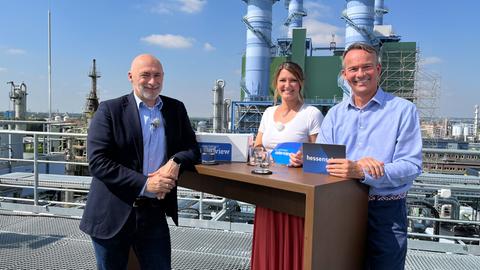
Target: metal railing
point(74, 208)
point(35, 161)
point(224, 207)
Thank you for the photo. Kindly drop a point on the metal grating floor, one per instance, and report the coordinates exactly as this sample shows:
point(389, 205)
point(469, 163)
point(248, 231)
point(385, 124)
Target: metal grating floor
point(422, 260)
point(41, 242)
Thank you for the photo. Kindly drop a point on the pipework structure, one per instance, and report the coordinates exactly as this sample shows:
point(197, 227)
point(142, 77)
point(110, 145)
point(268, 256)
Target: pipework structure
point(91, 104)
point(18, 97)
point(475, 124)
point(324, 85)
point(218, 106)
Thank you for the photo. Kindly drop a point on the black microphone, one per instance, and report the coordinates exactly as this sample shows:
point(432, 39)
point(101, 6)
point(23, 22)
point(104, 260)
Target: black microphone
point(155, 123)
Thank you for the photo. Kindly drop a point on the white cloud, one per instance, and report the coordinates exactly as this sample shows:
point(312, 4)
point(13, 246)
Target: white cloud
point(2, 69)
point(169, 41)
point(430, 61)
point(192, 6)
point(316, 10)
point(208, 47)
point(321, 33)
point(162, 8)
point(186, 6)
point(14, 51)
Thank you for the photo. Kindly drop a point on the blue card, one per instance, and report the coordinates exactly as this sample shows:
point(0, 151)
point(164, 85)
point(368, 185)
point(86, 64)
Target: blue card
point(315, 156)
point(281, 153)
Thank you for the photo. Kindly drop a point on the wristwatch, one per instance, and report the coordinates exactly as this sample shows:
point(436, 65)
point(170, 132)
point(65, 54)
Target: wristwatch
point(176, 160)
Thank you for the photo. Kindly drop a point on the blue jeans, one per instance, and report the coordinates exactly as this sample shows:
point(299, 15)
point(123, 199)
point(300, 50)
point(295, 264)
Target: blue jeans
point(387, 235)
point(146, 230)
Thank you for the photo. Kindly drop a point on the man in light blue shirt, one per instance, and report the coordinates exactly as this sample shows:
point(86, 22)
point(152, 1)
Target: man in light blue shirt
point(138, 144)
point(153, 134)
point(384, 151)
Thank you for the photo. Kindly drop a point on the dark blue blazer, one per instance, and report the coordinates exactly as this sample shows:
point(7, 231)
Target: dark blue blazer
point(115, 154)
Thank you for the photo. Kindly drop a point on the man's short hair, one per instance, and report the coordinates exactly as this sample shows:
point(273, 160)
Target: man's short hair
point(361, 46)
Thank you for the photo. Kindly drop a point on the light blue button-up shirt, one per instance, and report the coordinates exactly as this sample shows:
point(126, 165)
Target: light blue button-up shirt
point(154, 140)
point(387, 129)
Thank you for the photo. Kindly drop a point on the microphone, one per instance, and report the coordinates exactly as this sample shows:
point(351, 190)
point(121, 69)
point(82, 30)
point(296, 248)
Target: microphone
point(155, 123)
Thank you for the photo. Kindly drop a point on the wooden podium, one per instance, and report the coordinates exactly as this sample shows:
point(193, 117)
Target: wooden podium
point(335, 209)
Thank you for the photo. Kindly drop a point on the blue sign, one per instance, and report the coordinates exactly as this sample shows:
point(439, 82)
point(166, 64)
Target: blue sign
point(315, 156)
point(223, 151)
point(281, 153)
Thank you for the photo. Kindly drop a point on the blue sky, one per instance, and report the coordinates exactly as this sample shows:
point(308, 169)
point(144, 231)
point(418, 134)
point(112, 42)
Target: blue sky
point(199, 42)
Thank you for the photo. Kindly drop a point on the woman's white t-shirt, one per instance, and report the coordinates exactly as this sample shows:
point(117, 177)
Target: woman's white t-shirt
point(305, 123)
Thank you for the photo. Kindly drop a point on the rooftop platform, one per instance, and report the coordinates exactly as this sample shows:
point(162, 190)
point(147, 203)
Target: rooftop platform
point(43, 242)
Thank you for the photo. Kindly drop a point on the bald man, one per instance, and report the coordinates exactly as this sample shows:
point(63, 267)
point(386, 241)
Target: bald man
point(137, 145)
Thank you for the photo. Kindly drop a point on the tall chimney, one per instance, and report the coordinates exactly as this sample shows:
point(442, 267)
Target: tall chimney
point(258, 54)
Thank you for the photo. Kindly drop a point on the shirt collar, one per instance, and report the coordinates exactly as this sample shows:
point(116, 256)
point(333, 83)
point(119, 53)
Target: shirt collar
point(378, 98)
point(158, 103)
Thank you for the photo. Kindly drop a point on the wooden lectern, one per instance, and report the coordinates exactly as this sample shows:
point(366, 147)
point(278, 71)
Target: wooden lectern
point(335, 209)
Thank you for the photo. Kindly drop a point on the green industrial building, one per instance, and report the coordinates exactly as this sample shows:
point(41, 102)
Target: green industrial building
point(321, 89)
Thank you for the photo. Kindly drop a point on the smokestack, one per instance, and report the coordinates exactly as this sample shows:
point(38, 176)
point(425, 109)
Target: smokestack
point(218, 110)
point(380, 10)
point(359, 17)
point(257, 57)
point(295, 14)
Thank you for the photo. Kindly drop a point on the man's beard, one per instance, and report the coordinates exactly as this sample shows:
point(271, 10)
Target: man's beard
point(151, 95)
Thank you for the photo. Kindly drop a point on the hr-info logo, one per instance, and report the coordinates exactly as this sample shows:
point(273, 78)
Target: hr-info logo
point(223, 151)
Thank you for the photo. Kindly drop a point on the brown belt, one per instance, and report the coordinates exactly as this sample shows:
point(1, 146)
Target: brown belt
point(391, 197)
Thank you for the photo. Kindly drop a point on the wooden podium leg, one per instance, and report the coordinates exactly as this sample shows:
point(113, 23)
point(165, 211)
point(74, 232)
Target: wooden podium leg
point(132, 261)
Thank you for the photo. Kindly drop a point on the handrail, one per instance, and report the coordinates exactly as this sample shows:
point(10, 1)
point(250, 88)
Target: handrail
point(66, 134)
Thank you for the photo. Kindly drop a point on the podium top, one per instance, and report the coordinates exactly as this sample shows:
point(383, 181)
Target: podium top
point(283, 177)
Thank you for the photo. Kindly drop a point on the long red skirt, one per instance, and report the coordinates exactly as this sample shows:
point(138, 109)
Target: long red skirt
point(277, 241)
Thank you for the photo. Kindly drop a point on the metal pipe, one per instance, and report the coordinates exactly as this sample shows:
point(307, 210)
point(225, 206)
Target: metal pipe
point(444, 236)
point(226, 107)
point(200, 207)
point(459, 221)
point(42, 201)
point(40, 133)
point(49, 66)
point(47, 161)
point(49, 78)
point(35, 170)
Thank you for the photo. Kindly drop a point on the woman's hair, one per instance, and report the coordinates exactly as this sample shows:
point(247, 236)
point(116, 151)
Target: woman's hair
point(297, 72)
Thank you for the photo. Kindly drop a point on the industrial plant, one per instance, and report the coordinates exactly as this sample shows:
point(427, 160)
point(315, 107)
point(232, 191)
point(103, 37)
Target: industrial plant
point(44, 169)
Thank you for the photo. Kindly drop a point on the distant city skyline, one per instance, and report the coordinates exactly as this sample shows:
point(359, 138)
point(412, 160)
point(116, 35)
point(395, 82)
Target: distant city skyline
point(199, 42)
